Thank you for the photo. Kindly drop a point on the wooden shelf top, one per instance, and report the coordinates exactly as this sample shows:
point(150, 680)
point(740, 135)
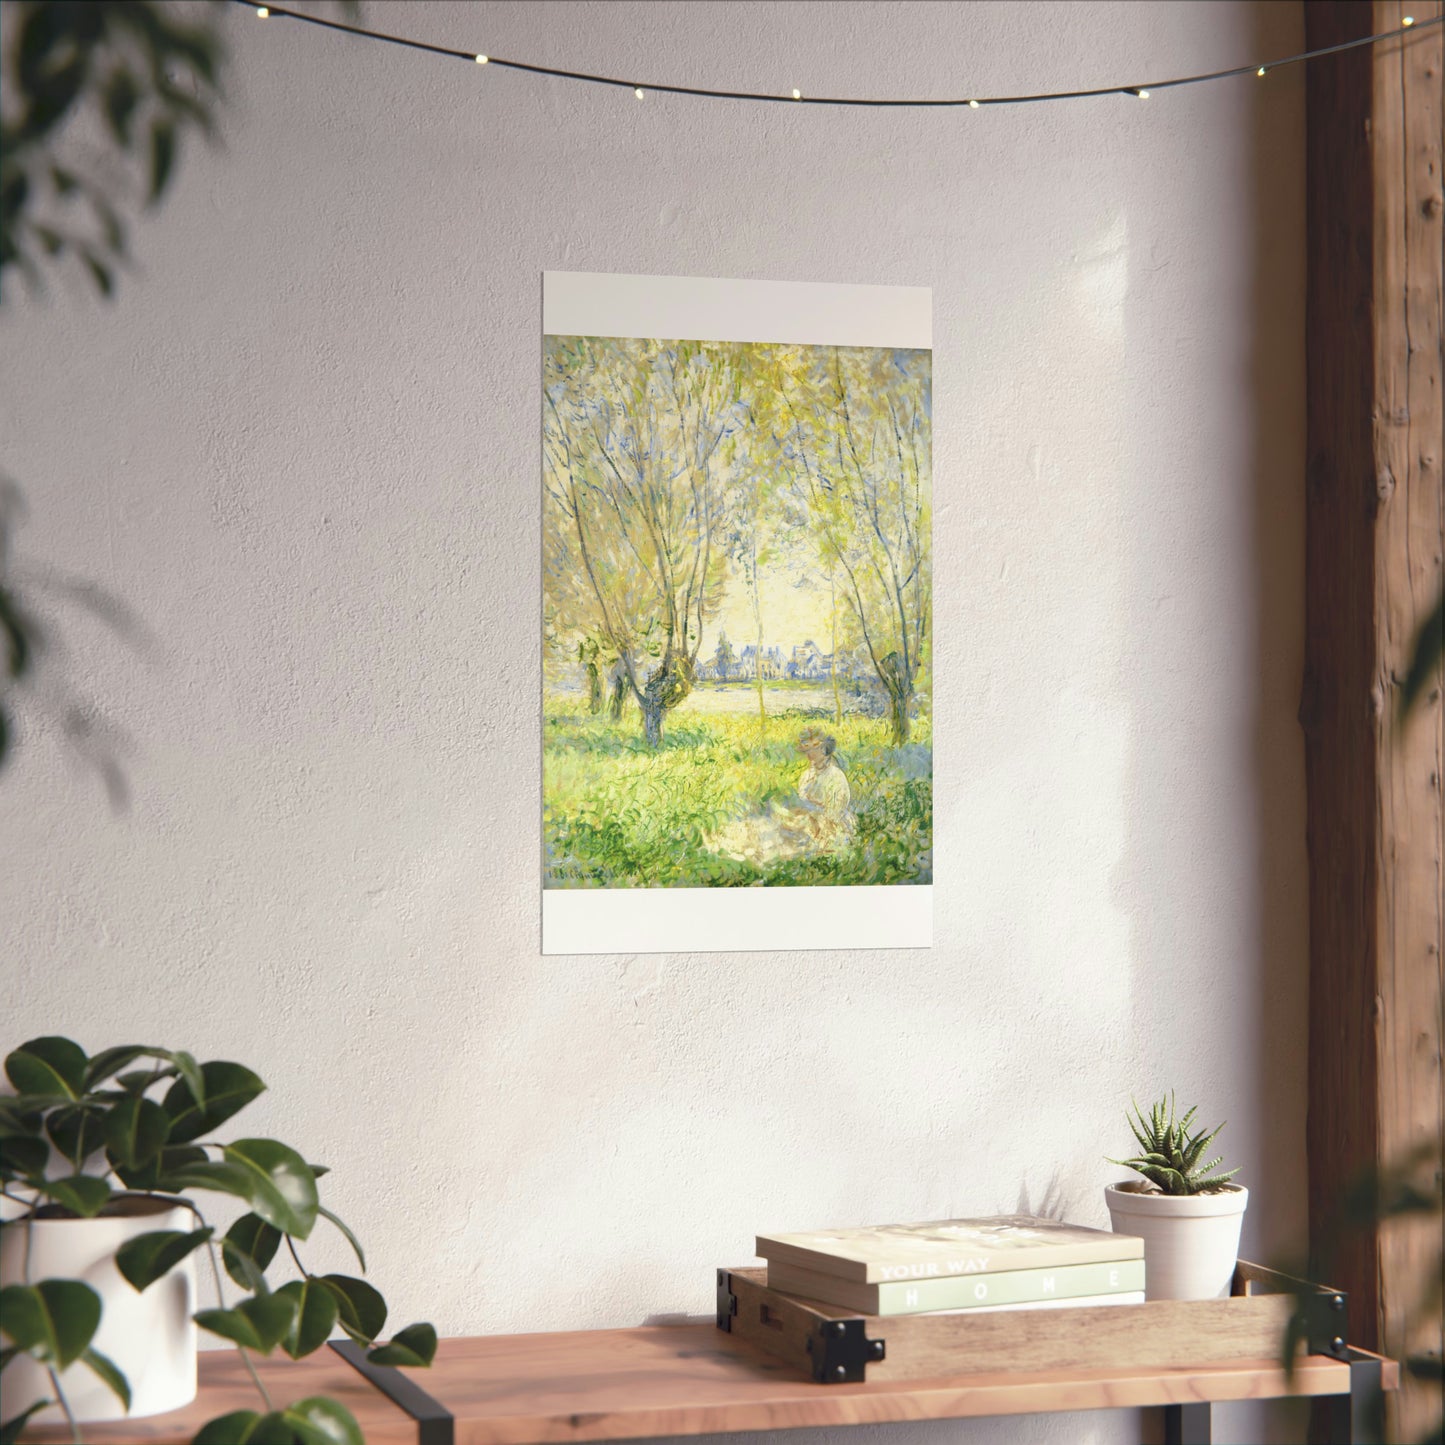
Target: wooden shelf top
point(688, 1379)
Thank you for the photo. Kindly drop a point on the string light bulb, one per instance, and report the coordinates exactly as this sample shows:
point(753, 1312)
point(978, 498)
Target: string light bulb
point(638, 92)
point(482, 59)
point(1407, 21)
point(261, 12)
point(797, 95)
point(973, 105)
point(1260, 72)
point(1142, 94)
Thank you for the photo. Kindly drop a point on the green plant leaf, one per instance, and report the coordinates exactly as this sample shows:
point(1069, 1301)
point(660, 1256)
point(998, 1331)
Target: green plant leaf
point(83, 1193)
point(109, 1062)
point(109, 1372)
point(227, 1087)
point(54, 1320)
point(259, 1323)
point(22, 1158)
point(135, 1131)
point(245, 1427)
point(283, 1188)
point(416, 1345)
point(250, 1241)
point(137, 1081)
point(222, 1178)
point(316, 1312)
point(362, 1310)
point(11, 1430)
point(75, 1130)
point(49, 1065)
point(149, 1257)
point(351, 1239)
point(18, 1122)
point(154, 1174)
point(319, 1421)
point(194, 1075)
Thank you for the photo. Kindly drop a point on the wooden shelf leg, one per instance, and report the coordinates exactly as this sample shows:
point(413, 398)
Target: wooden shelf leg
point(1359, 1417)
point(1188, 1424)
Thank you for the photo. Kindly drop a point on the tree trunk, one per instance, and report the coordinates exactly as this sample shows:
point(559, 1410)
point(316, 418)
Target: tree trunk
point(899, 686)
point(668, 686)
point(898, 717)
point(594, 688)
point(619, 696)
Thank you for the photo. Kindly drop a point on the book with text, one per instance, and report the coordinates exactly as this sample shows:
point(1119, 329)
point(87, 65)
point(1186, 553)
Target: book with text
point(940, 1248)
point(1083, 1302)
point(961, 1292)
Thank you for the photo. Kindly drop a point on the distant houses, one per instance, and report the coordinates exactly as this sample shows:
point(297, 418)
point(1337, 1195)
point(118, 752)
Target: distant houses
point(805, 663)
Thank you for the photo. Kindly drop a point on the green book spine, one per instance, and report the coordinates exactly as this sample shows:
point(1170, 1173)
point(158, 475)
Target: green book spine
point(955, 1292)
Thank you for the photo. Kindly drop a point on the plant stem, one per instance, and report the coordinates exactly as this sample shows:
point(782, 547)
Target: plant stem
point(64, 1405)
point(221, 1302)
point(290, 1244)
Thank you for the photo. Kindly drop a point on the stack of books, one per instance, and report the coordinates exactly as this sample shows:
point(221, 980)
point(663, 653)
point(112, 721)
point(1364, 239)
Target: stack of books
point(1011, 1261)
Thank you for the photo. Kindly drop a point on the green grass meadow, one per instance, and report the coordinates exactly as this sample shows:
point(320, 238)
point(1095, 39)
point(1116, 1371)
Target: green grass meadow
point(616, 814)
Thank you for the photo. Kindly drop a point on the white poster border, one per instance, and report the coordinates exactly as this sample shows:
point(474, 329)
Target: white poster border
point(720, 920)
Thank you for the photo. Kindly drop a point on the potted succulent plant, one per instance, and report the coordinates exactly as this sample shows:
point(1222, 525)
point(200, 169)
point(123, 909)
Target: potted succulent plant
point(1187, 1213)
point(102, 1229)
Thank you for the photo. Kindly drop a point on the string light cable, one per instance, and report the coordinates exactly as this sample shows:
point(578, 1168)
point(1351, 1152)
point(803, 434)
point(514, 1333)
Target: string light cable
point(642, 88)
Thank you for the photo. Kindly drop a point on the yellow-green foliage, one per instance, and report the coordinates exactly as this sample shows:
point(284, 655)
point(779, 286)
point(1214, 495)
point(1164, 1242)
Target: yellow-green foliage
point(617, 814)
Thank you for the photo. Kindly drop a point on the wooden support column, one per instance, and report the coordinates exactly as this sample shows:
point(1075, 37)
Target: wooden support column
point(1373, 571)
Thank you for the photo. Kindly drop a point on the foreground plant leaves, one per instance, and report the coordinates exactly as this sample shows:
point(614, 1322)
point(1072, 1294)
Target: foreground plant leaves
point(110, 1373)
point(414, 1346)
point(54, 1320)
point(282, 1186)
point(83, 1193)
point(50, 1065)
point(316, 1312)
point(248, 1248)
point(313, 1421)
point(227, 1089)
point(10, 1431)
point(259, 1323)
point(149, 1257)
point(362, 1309)
point(135, 1131)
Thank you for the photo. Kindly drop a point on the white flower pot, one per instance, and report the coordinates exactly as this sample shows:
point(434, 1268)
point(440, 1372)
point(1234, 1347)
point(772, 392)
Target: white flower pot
point(1191, 1241)
point(149, 1336)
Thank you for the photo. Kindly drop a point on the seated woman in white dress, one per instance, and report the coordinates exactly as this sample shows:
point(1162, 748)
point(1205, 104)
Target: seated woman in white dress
point(821, 821)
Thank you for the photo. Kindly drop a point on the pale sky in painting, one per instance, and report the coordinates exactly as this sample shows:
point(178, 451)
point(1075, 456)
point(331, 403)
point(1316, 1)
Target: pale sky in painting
point(791, 615)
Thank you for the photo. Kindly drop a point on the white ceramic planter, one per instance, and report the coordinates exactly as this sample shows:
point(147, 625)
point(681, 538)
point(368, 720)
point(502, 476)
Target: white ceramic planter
point(1191, 1241)
point(150, 1336)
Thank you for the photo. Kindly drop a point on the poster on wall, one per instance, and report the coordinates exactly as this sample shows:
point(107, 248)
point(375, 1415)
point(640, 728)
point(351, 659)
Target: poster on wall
point(737, 640)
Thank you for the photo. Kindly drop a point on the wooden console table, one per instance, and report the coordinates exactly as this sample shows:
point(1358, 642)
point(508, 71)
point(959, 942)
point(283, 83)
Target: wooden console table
point(693, 1379)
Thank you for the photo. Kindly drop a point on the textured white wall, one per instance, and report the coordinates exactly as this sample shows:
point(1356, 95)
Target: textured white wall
point(303, 447)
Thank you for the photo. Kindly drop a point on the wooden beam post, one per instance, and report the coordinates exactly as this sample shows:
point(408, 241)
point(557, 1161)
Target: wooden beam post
point(1374, 545)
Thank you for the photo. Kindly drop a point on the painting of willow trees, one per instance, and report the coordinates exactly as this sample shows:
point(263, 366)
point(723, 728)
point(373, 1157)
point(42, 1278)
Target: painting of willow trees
point(737, 618)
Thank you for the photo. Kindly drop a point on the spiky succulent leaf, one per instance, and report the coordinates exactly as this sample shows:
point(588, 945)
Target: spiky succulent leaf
point(1170, 1150)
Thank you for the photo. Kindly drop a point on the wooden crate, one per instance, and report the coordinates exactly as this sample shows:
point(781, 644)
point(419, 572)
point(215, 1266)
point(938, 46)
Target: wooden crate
point(837, 1346)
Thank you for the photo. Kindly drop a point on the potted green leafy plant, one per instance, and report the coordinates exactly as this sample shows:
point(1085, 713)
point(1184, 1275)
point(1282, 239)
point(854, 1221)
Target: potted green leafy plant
point(1187, 1213)
point(102, 1161)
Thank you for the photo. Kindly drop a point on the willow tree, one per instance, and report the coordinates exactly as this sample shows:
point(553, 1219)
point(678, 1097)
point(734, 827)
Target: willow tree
point(860, 448)
point(639, 442)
